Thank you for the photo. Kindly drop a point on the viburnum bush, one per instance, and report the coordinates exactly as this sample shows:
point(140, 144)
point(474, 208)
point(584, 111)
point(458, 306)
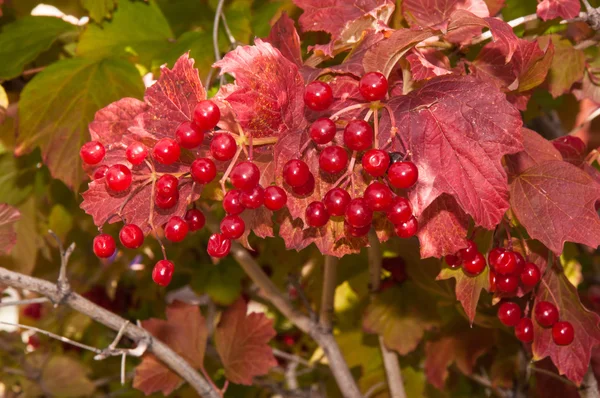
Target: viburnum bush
point(411, 143)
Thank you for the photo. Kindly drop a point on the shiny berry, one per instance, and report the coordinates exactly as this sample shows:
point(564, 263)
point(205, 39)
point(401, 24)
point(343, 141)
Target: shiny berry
point(358, 135)
point(469, 252)
point(92, 152)
point(232, 227)
point(563, 333)
point(206, 115)
point(509, 313)
point(131, 236)
point(336, 201)
point(176, 229)
point(373, 86)
point(507, 283)
point(524, 330)
point(118, 177)
point(453, 261)
point(400, 211)
point(203, 170)
point(356, 232)
point(407, 229)
point(245, 175)
point(275, 198)
point(33, 311)
point(166, 202)
point(530, 276)
point(520, 262)
point(167, 185)
point(322, 131)
point(104, 246)
point(378, 196)
point(493, 256)
point(403, 174)
point(305, 189)
point(376, 162)
point(546, 313)
point(188, 135)
point(166, 151)
point(232, 203)
point(295, 173)
point(163, 272)
point(223, 146)
point(492, 279)
point(318, 96)
point(475, 265)
point(506, 263)
point(333, 159)
point(100, 172)
point(218, 246)
point(253, 198)
point(358, 213)
point(136, 153)
point(195, 219)
point(316, 214)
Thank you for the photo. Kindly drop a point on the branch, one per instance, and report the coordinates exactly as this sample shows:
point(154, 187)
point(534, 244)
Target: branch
point(37, 300)
point(328, 294)
point(390, 359)
point(590, 385)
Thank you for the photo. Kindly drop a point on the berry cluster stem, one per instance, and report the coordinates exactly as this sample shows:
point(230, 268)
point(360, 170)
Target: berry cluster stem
point(230, 167)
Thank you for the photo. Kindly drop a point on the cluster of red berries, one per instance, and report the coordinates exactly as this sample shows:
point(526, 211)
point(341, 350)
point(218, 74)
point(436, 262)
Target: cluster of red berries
point(546, 315)
point(358, 137)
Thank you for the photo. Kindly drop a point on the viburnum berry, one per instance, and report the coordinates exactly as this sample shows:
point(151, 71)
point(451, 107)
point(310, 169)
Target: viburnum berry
point(206, 115)
point(509, 313)
point(396, 157)
point(318, 96)
point(358, 135)
point(358, 213)
point(104, 246)
point(223, 146)
point(100, 172)
point(166, 202)
point(218, 246)
point(378, 196)
point(245, 175)
point(403, 174)
point(307, 188)
point(92, 152)
point(407, 229)
point(524, 330)
point(131, 236)
point(493, 256)
point(316, 214)
point(33, 342)
point(475, 265)
point(373, 86)
point(166, 151)
point(336, 201)
point(563, 333)
point(506, 263)
point(189, 135)
point(253, 198)
point(232, 227)
point(322, 131)
point(530, 276)
point(232, 203)
point(167, 185)
point(118, 177)
point(203, 170)
point(399, 211)
point(376, 162)
point(546, 313)
point(520, 261)
point(275, 198)
point(295, 173)
point(507, 283)
point(195, 219)
point(469, 252)
point(163, 272)
point(492, 279)
point(136, 153)
point(33, 311)
point(333, 159)
point(176, 229)
point(356, 232)
point(453, 261)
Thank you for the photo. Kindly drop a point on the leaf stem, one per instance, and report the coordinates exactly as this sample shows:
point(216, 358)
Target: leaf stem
point(336, 115)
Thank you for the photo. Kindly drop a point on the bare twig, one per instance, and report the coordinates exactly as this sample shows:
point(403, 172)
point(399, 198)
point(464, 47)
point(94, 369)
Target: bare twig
point(374, 388)
point(328, 293)
point(37, 300)
point(291, 357)
point(215, 32)
point(63, 283)
point(293, 279)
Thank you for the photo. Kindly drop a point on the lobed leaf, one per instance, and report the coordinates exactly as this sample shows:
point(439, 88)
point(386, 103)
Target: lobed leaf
point(442, 228)
point(8, 237)
point(436, 13)
point(536, 150)
point(565, 9)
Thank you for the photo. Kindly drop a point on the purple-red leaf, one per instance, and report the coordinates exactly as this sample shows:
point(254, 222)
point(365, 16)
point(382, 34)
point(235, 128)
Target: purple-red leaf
point(425, 64)
point(284, 37)
point(565, 9)
point(572, 149)
point(536, 150)
point(8, 216)
point(442, 228)
point(436, 13)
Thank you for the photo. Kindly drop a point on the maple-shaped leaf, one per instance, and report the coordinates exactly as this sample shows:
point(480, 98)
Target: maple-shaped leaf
point(436, 13)
point(494, 6)
point(536, 150)
point(457, 129)
point(284, 37)
point(184, 332)
point(554, 201)
point(344, 20)
point(111, 124)
point(8, 237)
point(353, 63)
point(242, 343)
point(427, 63)
point(572, 149)
point(573, 360)
point(442, 228)
point(468, 288)
point(567, 66)
point(565, 9)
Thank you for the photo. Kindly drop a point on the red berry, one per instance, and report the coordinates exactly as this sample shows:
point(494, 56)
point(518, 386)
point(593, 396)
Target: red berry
point(356, 232)
point(218, 245)
point(306, 189)
point(546, 313)
point(131, 236)
point(493, 256)
point(166, 202)
point(118, 177)
point(136, 153)
point(206, 115)
point(453, 261)
point(400, 211)
point(524, 330)
point(245, 175)
point(507, 283)
point(318, 96)
point(403, 174)
point(376, 162)
point(530, 276)
point(232, 227)
point(469, 252)
point(509, 313)
point(333, 159)
point(194, 219)
point(275, 197)
point(163, 272)
point(92, 152)
point(492, 279)
point(166, 151)
point(373, 86)
point(358, 135)
point(176, 229)
point(322, 131)
point(336, 201)
point(203, 170)
point(407, 229)
point(296, 173)
point(253, 198)
point(167, 185)
point(104, 246)
point(188, 135)
point(378, 196)
point(475, 265)
point(100, 172)
point(506, 263)
point(33, 311)
point(358, 213)
point(520, 262)
point(223, 146)
point(232, 203)
point(563, 333)
point(316, 214)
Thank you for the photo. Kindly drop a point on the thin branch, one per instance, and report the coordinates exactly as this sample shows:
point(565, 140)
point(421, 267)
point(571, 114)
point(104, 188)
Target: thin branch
point(291, 357)
point(37, 300)
point(589, 389)
point(328, 293)
point(293, 279)
point(230, 36)
point(374, 388)
point(215, 32)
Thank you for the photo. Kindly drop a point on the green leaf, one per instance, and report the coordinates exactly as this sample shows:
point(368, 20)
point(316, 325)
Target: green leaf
point(17, 177)
point(99, 9)
point(137, 29)
point(221, 282)
point(57, 105)
point(23, 255)
point(60, 220)
point(567, 66)
point(198, 44)
point(23, 40)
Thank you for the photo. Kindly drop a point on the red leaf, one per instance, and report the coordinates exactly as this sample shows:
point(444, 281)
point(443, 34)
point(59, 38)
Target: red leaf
point(284, 37)
point(572, 149)
point(442, 228)
point(555, 201)
point(536, 150)
point(425, 64)
point(242, 343)
point(495, 6)
point(8, 216)
point(565, 9)
point(152, 376)
point(468, 288)
point(573, 360)
point(111, 124)
point(354, 61)
point(258, 221)
point(436, 13)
